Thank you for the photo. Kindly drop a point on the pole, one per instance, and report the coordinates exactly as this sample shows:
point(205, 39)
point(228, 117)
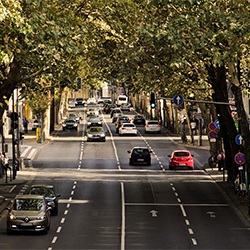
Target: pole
point(13, 135)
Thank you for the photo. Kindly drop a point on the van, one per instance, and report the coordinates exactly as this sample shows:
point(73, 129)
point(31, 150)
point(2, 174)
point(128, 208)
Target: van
point(122, 99)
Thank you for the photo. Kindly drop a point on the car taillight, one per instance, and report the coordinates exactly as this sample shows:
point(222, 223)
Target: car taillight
point(147, 126)
point(128, 120)
point(158, 125)
point(123, 128)
point(134, 128)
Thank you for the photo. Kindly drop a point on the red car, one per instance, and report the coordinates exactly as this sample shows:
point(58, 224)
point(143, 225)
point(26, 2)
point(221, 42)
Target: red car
point(180, 159)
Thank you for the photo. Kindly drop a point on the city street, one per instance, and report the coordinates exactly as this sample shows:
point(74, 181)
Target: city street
point(107, 204)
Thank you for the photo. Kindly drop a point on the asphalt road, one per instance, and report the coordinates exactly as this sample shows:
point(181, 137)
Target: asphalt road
point(107, 204)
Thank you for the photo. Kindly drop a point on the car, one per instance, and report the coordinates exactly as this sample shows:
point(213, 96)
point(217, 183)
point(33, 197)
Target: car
point(181, 159)
point(126, 107)
point(36, 124)
point(116, 116)
point(28, 213)
point(140, 155)
point(70, 124)
point(100, 103)
point(93, 111)
point(74, 116)
point(108, 107)
point(94, 121)
point(79, 102)
point(138, 120)
point(91, 101)
point(114, 111)
point(96, 134)
point(119, 121)
point(128, 129)
point(152, 126)
point(50, 195)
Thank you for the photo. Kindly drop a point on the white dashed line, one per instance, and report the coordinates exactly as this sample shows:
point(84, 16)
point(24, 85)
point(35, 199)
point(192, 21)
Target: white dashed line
point(62, 220)
point(54, 240)
point(59, 229)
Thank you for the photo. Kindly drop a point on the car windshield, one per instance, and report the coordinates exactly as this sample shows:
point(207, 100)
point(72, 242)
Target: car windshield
point(140, 151)
point(181, 154)
point(48, 192)
point(70, 121)
point(98, 130)
point(138, 117)
point(28, 204)
point(94, 119)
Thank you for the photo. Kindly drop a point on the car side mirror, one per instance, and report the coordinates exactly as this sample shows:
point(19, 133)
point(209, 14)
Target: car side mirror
point(192, 155)
point(58, 195)
point(169, 155)
point(129, 151)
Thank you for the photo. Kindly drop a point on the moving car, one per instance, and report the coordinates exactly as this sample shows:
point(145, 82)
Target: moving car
point(122, 99)
point(94, 121)
point(36, 124)
point(114, 111)
point(29, 213)
point(180, 159)
point(140, 155)
point(152, 126)
point(108, 107)
point(70, 124)
point(139, 120)
point(50, 195)
point(79, 102)
point(74, 116)
point(91, 101)
point(93, 111)
point(128, 129)
point(96, 133)
point(126, 107)
point(120, 120)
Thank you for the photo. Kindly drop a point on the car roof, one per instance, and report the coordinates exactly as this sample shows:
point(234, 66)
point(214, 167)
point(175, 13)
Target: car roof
point(41, 185)
point(181, 150)
point(140, 147)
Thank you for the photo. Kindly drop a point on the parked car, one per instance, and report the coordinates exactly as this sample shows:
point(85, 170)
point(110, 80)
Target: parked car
point(140, 155)
point(28, 213)
point(96, 134)
point(139, 120)
point(70, 124)
point(79, 102)
point(128, 129)
point(36, 124)
point(181, 159)
point(152, 126)
point(93, 111)
point(94, 121)
point(50, 195)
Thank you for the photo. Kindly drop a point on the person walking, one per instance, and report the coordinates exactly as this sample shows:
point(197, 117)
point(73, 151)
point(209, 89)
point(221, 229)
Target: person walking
point(221, 160)
point(25, 125)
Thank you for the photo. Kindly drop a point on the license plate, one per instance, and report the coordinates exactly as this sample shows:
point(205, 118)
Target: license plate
point(140, 159)
point(182, 164)
point(25, 224)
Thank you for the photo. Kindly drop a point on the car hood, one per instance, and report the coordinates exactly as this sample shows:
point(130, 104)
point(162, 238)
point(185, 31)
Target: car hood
point(24, 213)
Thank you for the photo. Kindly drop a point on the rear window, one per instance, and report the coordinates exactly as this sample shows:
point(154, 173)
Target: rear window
point(181, 154)
point(141, 151)
point(153, 123)
point(128, 125)
point(122, 99)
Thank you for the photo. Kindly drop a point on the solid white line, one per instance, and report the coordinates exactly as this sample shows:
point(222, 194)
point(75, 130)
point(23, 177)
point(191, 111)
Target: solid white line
point(59, 229)
point(183, 211)
point(54, 240)
point(123, 218)
point(14, 188)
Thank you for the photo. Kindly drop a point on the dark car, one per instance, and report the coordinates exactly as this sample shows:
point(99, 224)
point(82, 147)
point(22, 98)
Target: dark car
point(50, 195)
point(108, 107)
point(115, 111)
point(96, 134)
point(140, 155)
point(28, 213)
point(70, 124)
point(119, 121)
point(94, 121)
point(139, 120)
point(79, 102)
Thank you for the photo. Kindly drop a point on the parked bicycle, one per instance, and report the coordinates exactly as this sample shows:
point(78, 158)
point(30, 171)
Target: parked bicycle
point(212, 160)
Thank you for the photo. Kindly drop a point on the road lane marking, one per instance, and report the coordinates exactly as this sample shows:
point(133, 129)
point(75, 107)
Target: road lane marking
point(13, 188)
point(123, 217)
point(54, 240)
point(62, 220)
point(32, 154)
point(194, 241)
point(183, 211)
point(190, 231)
point(187, 222)
point(25, 151)
point(59, 229)
point(66, 212)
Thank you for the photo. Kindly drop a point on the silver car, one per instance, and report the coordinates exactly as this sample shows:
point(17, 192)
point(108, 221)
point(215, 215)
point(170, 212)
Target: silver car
point(28, 213)
point(152, 126)
point(96, 134)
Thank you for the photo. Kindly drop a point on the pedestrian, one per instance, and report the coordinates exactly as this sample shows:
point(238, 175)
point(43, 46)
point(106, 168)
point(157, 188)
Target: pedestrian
point(25, 125)
point(1, 165)
point(221, 160)
point(6, 162)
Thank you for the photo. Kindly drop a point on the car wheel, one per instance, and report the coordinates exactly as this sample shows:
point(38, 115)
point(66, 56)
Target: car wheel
point(9, 232)
point(149, 164)
point(130, 163)
point(120, 134)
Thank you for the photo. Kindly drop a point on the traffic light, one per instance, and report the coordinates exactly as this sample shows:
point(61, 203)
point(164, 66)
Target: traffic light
point(152, 101)
point(14, 120)
point(79, 82)
point(21, 136)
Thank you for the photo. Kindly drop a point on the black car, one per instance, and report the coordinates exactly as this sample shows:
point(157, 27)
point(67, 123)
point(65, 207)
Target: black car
point(120, 120)
point(139, 120)
point(94, 121)
point(140, 155)
point(50, 195)
point(79, 102)
point(70, 124)
point(108, 107)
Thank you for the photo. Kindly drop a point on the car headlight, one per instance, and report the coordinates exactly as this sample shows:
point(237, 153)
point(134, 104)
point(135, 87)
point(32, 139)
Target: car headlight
point(42, 217)
point(90, 136)
point(75, 125)
point(99, 122)
point(102, 135)
point(88, 123)
point(12, 216)
point(51, 203)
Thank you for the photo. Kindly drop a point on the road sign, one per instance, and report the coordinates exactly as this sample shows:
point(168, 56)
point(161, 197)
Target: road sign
point(239, 139)
point(216, 123)
point(212, 134)
point(178, 99)
point(211, 126)
point(240, 158)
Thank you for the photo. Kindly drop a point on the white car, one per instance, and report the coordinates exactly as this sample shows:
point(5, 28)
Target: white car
point(128, 129)
point(36, 124)
point(91, 101)
point(93, 112)
point(152, 126)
